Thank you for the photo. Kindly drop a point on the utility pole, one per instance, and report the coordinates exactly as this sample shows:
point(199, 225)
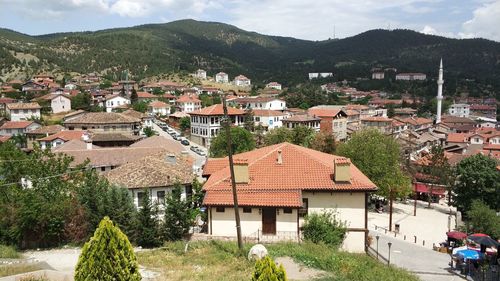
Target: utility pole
point(390, 208)
point(227, 125)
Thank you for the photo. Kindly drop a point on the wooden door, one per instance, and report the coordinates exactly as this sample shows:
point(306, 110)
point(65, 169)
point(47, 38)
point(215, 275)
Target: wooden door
point(269, 221)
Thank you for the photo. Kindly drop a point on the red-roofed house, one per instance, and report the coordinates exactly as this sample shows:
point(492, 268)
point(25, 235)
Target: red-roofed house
point(23, 111)
point(188, 103)
point(159, 108)
point(383, 124)
point(333, 120)
point(59, 102)
point(267, 118)
point(145, 96)
point(278, 185)
point(241, 81)
point(12, 128)
point(59, 138)
point(206, 122)
point(273, 85)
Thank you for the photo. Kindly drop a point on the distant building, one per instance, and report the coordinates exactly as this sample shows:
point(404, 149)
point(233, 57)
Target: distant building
point(411, 76)
point(333, 120)
point(59, 138)
point(315, 75)
point(302, 120)
point(483, 110)
point(159, 108)
point(241, 81)
point(383, 124)
point(378, 75)
point(188, 103)
point(59, 102)
point(11, 128)
point(274, 85)
point(269, 119)
point(116, 101)
point(104, 122)
point(23, 111)
point(146, 97)
point(221, 77)
point(260, 103)
point(201, 74)
point(459, 109)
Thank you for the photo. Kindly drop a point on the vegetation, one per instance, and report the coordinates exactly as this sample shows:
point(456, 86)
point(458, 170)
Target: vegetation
point(8, 252)
point(107, 256)
point(483, 219)
point(13, 269)
point(149, 132)
point(324, 228)
point(178, 217)
point(477, 178)
point(141, 106)
point(148, 232)
point(300, 135)
point(241, 140)
point(185, 124)
point(266, 269)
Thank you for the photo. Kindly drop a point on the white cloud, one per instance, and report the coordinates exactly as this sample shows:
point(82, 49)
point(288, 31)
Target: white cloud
point(485, 22)
point(429, 30)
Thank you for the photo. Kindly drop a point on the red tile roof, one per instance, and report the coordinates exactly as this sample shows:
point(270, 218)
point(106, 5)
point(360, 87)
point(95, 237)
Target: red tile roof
point(64, 135)
point(20, 105)
point(267, 112)
point(457, 137)
point(263, 198)
point(301, 169)
point(324, 112)
point(158, 104)
point(4, 138)
point(146, 95)
point(7, 100)
point(377, 119)
point(217, 109)
point(16, 125)
point(188, 98)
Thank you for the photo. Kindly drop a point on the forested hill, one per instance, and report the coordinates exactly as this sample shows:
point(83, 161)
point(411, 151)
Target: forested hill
point(188, 45)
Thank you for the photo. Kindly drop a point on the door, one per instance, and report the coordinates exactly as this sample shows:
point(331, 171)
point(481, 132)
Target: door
point(269, 221)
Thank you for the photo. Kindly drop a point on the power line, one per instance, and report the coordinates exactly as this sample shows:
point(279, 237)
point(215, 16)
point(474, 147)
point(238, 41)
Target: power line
point(47, 177)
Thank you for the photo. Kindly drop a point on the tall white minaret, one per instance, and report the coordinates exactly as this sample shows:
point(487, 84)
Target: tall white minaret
point(440, 92)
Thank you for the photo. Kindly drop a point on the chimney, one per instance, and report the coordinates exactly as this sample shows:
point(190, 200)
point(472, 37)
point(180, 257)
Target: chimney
point(280, 157)
point(342, 170)
point(170, 158)
point(89, 145)
point(241, 174)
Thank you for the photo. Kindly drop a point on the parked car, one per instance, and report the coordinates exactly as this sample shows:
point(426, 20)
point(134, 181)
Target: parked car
point(194, 148)
point(175, 137)
point(201, 152)
point(184, 142)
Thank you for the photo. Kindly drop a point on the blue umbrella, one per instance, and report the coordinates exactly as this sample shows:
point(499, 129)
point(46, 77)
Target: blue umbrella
point(468, 254)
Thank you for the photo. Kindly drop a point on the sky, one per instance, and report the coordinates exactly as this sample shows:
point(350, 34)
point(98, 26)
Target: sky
point(304, 19)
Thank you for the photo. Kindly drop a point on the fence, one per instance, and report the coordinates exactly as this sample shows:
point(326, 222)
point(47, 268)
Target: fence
point(280, 236)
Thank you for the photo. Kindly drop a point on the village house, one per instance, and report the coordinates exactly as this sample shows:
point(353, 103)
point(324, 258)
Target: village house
point(302, 120)
point(159, 108)
point(378, 75)
point(483, 110)
point(410, 76)
point(304, 181)
point(3, 104)
point(270, 103)
point(269, 119)
point(459, 109)
point(206, 122)
point(273, 85)
point(116, 101)
point(12, 128)
point(333, 120)
point(23, 111)
point(222, 77)
point(168, 169)
point(32, 86)
point(241, 81)
point(383, 124)
point(58, 102)
point(106, 122)
point(146, 119)
point(201, 74)
point(188, 103)
point(45, 131)
point(146, 97)
point(458, 124)
point(416, 123)
point(59, 138)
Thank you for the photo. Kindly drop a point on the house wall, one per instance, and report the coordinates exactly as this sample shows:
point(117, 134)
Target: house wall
point(23, 114)
point(107, 128)
point(115, 102)
point(60, 104)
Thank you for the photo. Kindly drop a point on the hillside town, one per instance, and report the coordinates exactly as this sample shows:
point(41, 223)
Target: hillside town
point(154, 138)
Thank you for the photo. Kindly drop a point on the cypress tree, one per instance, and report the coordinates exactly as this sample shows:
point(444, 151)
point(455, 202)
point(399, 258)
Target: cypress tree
point(177, 215)
point(147, 230)
point(266, 270)
point(108, 255)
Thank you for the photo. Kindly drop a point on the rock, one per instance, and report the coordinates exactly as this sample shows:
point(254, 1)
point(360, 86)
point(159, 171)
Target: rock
point(258, 251)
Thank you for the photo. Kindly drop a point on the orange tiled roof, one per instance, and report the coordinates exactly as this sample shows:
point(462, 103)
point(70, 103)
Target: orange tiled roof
point(458, 137)
point(377, 119)
point(301, 169)
point(267, 112)
point(20, 105)
point(264, 198)
point(188, 98)
point(158, 104)
point(64, 135)
point(146, 95)
point(217, 109)
point(16, 124)
point(324, 112)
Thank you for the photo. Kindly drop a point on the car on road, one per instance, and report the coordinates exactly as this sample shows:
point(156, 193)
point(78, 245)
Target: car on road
point(175, 137)
point(184, 142)
point(194, 148)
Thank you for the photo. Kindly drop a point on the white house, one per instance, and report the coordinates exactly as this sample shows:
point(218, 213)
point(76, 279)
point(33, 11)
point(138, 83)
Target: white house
point(459, 109)
point(11, 128)
point(188, 103)
point(59, 138)
point(59, 102)
point(23, 111)
point(270, 119)
point(278, 186)
point(116, 101)
point(270, 103)
point(302, 120)
point(241, 81)
point(410, 76)
point(201, 74)
point(273, 85)
point(206, 122)
point(159, 108)
point(378, 75)
point(222, 77)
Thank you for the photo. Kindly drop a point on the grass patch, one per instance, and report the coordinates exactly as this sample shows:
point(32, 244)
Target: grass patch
point(217, 260)
point(8, 252)
point(13, 269)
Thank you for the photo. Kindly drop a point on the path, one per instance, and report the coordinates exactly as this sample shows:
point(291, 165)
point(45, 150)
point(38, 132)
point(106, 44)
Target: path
point(429, 265)
point(296, 271)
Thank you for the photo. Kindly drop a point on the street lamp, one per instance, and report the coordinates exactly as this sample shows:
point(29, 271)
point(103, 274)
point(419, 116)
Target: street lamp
point(389, 259)
point(377, 237)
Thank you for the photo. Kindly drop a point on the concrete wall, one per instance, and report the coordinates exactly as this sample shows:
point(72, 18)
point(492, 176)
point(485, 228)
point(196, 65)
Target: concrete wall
point(60, 104)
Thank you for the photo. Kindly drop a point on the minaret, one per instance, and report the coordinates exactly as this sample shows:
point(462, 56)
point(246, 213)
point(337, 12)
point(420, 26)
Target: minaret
point(440, 92)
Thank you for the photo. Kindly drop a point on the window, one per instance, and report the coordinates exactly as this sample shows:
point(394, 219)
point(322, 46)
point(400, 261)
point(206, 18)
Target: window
point(257, 119)
point(140, 196)
point(161, 197)
point(247, 210)
point(305, 206)
point(287, 210)
point(219, 209)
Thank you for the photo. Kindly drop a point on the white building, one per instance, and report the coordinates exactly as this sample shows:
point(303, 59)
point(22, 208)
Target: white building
point(302, 120)
point(23, 111)
point(459, 109)
point(59, 102)
point(270, 103)
point(159, 108)
point(60, 138)
point(206, 122)
point(315, 75)
point(188, 103)
point(116, 101)
point(378, 75)
point(269, 119)
point(201, 74)
point(222, 77)
point(12, 128)
point(410, 76)
point(274, 85)
point(241, 81)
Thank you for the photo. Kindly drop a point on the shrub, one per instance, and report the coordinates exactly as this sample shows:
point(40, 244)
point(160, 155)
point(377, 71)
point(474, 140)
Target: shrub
point(266, 270)
point(107, 256)
point(8, 252)
point(325, 228)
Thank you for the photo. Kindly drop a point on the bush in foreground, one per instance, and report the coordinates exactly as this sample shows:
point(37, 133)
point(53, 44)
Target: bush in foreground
point(324, 228)
point(107, 256)
point(266, 270)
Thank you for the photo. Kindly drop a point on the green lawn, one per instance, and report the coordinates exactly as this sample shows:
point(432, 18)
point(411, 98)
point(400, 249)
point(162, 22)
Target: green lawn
point(216, 260)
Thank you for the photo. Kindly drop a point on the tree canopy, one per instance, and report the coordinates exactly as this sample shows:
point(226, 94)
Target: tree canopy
point(241, 140)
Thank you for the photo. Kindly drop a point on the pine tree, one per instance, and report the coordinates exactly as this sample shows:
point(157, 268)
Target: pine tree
point(177, 215)
point(266, 270)
point(107, 256)
point(147, 227)
point(134, 97)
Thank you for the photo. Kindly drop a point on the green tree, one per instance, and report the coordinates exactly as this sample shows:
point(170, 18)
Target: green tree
point(107, 256)
point(267, 270)
point(249, 123)
point(483, 219)
point(81, 101)
point(149, 132)
point(390, 111)
point(140, 106)
point(324, 228)
point(241, 140)
point(477, 178)
point(148, 234)
point(302, 135)
point(278, 135)
point(185, 124)
point(440, 170)
point(378, 157)
point(324, 142)
point(105, 84)
point(134, 97)
point(177, 215)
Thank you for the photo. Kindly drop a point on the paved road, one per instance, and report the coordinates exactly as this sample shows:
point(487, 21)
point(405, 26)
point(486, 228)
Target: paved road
point(429, 265)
